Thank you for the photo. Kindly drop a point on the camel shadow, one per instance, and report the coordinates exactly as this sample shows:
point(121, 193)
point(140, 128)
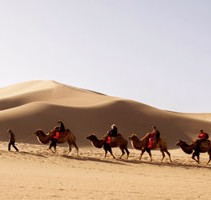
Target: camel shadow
point(33, 154)
point(175, 164)
point(189, 165)
point(100, 160)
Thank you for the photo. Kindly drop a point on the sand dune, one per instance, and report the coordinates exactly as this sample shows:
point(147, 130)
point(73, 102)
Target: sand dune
point(37, 173)
point(28, 106)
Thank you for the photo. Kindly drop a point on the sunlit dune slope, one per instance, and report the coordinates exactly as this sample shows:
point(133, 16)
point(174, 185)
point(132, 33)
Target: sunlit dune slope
point(27, 106)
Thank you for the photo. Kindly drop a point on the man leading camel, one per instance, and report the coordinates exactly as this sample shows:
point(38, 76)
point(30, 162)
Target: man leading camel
point(11, 140)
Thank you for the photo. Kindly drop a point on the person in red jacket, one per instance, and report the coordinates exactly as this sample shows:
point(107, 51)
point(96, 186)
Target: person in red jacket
point(203, 136)
point(154, 136)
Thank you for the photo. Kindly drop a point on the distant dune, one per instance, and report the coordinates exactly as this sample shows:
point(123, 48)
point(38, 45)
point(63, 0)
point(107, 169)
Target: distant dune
point(27, 106)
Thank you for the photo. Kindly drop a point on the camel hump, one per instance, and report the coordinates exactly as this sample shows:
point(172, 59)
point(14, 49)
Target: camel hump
point(67, 130)
point(205, 143)
point(114, 139)
point(117, 138)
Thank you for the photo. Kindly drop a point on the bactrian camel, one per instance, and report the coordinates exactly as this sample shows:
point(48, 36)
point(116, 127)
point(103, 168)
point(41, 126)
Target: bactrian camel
point(204, 146)
point(143, 146)
point(67, 136)
point(118, 141)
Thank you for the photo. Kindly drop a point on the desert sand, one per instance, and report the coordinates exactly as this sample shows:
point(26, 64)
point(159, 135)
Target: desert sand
point(37, 173)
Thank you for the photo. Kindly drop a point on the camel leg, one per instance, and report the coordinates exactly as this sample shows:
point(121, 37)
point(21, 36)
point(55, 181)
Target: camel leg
point(149, 152)
point(163, 155)
point(123, 152)
point(110, 150)
point(167, 152)
point(142, 152)
point(194, 155)
point(127, 152)
point(209, 158)
point(70, 148)
point(107, 148)
point(75, 145)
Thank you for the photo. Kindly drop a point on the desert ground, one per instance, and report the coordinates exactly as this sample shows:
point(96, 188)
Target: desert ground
point(37, 173)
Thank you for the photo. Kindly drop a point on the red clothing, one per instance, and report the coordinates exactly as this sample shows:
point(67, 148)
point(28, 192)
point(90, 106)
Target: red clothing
point(56, 136)
point(151, 139)
point(150, 143)
point(203, 135)
point(108, 140)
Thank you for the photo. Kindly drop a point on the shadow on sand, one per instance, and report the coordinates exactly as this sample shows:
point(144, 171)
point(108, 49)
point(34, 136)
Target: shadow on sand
point(175, 163)
point(170, 164)
point(102, 160)
point(33, 154)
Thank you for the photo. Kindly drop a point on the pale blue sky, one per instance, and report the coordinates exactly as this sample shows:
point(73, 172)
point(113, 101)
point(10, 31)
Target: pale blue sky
point(154, 52)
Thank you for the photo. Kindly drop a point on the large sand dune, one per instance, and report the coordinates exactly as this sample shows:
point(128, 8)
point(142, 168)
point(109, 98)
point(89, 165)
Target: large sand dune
point(27, 106)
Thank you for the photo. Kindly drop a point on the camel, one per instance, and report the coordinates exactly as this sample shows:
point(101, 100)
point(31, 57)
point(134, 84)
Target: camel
point(205, 146)
point(67, 136)
point(119, 141)
point(143, 146)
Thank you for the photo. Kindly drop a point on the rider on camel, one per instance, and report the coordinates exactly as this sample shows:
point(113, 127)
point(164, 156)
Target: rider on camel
point(203, 136)
point(154, 136)
point(113, 132)
point(60, 128)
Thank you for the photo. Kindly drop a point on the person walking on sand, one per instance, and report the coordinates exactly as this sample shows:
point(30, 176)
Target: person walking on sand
point(11, 140)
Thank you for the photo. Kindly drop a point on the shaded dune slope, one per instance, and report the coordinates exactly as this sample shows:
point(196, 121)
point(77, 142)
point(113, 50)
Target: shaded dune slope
point(28, 106)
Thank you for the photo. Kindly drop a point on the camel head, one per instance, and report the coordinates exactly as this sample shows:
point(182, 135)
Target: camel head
point(42, 137)
point(91, 137)
point(133, 137)
point(38, 132)
point(185, 147)
point(181, 143)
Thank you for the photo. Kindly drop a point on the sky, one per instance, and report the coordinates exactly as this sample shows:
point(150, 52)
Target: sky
point(154, 52)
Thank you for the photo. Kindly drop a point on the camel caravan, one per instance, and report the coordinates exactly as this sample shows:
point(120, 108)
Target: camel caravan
point(150, 141)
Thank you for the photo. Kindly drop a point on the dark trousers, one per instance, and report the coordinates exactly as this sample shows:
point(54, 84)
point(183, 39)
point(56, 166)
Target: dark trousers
point(12, 144)
point(53, 143)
